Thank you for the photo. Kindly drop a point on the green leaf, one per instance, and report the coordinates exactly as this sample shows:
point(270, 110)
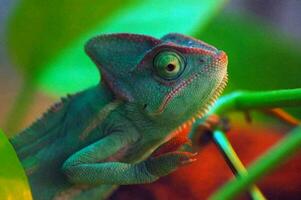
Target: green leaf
point(13, 181)
point(50, 46)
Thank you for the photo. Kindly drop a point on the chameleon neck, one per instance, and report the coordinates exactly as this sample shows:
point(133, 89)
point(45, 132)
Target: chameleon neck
point(73, 108)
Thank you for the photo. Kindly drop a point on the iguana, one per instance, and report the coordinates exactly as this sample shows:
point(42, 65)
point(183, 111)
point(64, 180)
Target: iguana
point(91, 142)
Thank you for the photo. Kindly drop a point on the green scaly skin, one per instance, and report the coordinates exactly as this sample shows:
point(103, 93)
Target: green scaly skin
point(91, 142)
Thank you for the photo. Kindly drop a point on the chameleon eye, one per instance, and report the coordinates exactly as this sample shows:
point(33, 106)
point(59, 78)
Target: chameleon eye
point(169, 65)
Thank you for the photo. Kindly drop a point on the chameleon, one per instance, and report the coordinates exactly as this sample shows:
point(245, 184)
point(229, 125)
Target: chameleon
point(88, 143)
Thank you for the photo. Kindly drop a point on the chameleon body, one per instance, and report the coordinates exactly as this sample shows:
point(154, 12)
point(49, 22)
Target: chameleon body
point(91, 142)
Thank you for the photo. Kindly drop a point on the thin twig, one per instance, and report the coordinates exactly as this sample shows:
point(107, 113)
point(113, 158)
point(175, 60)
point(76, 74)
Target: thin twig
point(234, 162)
point(270, 160)
point(283, 116)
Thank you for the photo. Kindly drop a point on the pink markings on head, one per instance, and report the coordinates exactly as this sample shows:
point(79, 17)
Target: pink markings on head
point(131, 37)
point(180, 38)
point(193, 50)
point(175, 91)
point(221, 59)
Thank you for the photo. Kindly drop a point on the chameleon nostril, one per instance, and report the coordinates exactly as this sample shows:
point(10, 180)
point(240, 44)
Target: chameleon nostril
point(221, 56)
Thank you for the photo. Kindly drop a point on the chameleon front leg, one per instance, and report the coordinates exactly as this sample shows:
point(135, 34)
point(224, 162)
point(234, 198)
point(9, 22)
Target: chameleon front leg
point(87, 167)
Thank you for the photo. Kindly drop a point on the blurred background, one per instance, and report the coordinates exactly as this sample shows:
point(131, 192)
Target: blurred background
point(42, 59)
point(262, 39)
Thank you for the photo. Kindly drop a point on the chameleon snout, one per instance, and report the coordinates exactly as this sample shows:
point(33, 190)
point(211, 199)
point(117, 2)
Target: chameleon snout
point(221, 59)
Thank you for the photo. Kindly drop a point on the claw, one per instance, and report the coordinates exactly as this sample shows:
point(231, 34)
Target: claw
point(187, 162)
point(213, 120)
point(189, 159)
point(194, 154)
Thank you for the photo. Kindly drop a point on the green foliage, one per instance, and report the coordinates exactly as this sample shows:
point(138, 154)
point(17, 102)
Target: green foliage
point(13, 181)
point(259, 58)
point(50, 48)
point(39, 30)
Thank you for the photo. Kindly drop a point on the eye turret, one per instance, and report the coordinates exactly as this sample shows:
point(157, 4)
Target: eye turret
point(169, 65)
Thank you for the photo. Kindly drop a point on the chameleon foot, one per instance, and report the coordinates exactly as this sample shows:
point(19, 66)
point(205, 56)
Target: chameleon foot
point(201, 132)
point(167, 163)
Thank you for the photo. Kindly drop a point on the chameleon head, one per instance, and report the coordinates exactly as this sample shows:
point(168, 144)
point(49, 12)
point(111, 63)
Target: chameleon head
point(173, 78)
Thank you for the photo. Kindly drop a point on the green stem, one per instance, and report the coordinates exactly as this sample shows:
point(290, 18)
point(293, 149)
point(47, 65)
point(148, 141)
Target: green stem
point(19, 108)
point(234, 162)
point(258, 100)
point(278, 154)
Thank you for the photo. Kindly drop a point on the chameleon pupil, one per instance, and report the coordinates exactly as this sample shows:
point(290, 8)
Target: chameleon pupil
point(170, 67)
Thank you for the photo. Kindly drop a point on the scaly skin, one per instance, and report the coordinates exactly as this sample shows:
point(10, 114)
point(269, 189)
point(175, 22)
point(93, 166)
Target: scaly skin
point(89, 143)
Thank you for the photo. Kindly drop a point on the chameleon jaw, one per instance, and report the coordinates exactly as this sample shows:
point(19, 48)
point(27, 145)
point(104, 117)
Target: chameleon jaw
point(205, 108)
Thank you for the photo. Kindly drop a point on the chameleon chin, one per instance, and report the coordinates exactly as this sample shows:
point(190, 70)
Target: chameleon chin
point(87, 144)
